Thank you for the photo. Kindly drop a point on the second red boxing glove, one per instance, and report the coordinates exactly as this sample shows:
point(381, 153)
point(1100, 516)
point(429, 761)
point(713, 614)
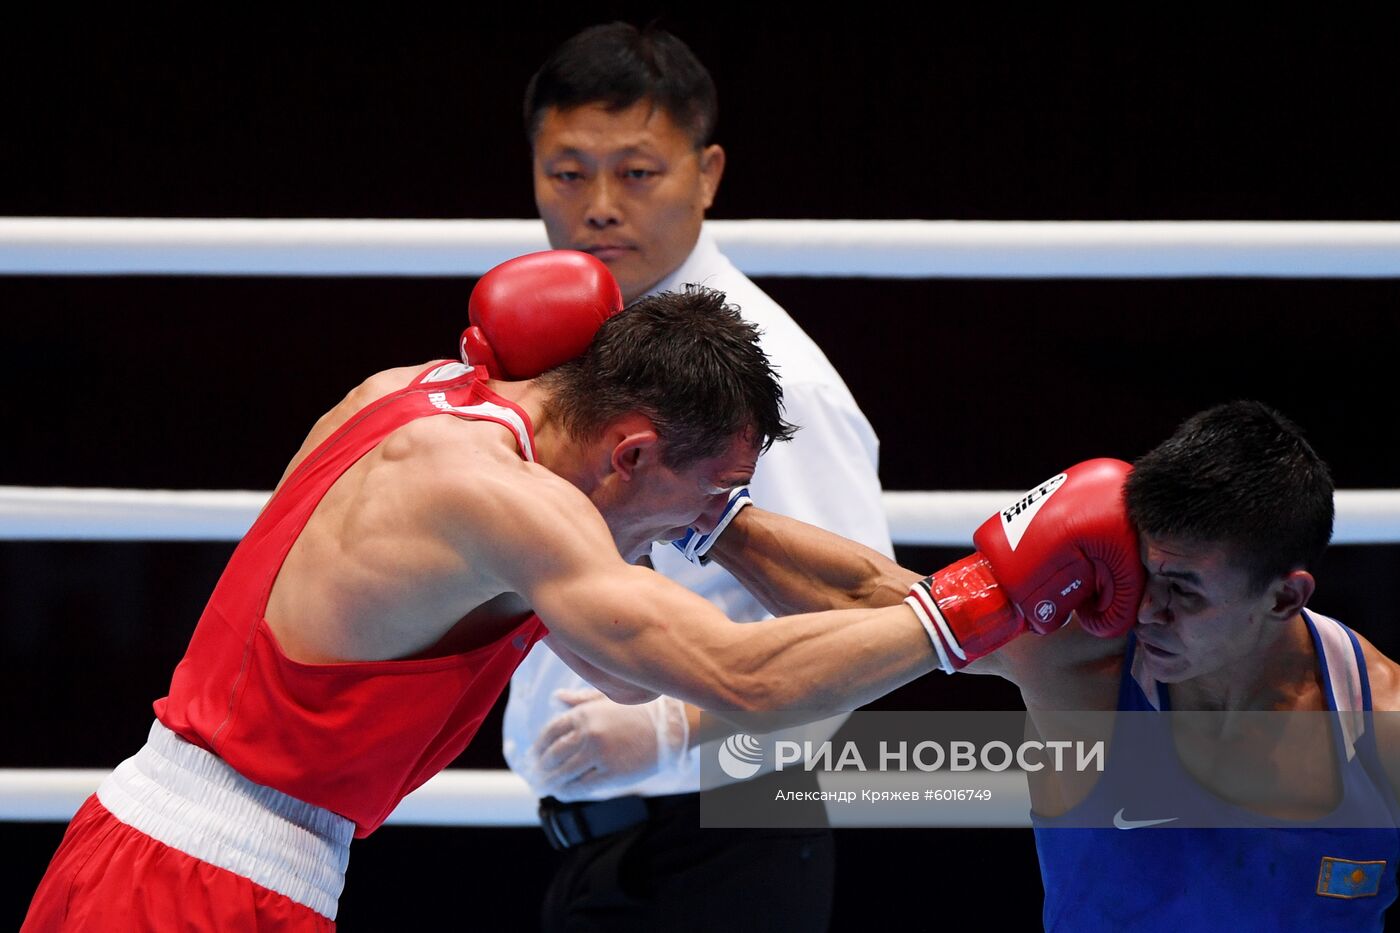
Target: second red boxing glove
point(531, 313)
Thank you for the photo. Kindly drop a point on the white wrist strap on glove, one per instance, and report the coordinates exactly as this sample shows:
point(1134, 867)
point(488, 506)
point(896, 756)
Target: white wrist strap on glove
point(921, 600)
point(695, 545)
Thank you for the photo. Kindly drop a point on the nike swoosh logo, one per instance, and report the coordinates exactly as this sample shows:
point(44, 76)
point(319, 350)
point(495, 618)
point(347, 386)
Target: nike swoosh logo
point(1121, 823)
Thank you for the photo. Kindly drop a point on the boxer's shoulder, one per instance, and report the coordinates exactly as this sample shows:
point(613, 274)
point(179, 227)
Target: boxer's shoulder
point(356, 400)
point(476, 444)
point(1384, 676)
point(382, 383)
point(472, 471)
point(468, 473)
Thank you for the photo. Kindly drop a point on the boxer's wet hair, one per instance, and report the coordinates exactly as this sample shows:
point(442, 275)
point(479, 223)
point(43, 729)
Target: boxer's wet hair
point(1241, 476)
point(689, 362)
point(617, 65)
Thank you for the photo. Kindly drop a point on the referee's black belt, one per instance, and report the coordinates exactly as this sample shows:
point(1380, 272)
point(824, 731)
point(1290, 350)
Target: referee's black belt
point(570, 824)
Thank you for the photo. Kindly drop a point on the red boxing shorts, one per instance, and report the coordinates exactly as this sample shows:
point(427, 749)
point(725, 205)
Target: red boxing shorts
point(175, 839)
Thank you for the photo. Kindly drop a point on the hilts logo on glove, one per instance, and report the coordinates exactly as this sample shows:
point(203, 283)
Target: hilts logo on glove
point(741, 756)
point(1016, 517)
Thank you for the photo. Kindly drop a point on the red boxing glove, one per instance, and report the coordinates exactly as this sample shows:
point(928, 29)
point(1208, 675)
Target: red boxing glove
point(531, 313)
point(1067, 546)
point(965, 612)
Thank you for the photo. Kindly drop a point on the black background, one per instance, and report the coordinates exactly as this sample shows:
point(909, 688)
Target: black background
point(971, 384)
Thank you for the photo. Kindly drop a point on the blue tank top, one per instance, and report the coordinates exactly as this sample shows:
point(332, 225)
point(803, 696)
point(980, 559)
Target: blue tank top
point(1336, 873)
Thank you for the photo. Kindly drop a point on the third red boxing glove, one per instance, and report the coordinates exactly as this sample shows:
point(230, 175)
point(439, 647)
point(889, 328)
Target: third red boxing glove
point(1067, 546)
point(531, 313)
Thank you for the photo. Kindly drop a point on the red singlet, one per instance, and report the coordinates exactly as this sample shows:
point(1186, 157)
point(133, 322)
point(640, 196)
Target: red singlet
point(352, 738)
point(256, 835)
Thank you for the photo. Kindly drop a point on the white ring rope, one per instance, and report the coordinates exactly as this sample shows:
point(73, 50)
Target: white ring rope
point(461, 797)
point(878, 248)
point(456, 797)
point(1364, 516)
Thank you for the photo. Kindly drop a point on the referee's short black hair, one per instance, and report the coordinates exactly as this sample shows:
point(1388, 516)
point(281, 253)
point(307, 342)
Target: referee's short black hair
point(618, 65)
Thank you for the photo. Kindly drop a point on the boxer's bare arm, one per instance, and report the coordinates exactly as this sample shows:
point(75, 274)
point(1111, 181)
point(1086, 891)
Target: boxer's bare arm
point(375, 387)
point(614, 688)
point(548, 543)
point(1069, 669)
point(792, 567)
point(795, 567)
point(643, 628)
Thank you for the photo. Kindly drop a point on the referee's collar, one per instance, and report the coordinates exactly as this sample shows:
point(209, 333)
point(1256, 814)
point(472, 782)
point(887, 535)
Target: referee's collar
point(702, 263)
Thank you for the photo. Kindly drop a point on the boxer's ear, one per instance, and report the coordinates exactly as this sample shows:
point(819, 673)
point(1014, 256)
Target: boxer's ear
point(634, 445)
point(1290, 593)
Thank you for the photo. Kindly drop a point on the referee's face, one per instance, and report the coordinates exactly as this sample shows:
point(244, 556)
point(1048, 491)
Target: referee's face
point(628, 186)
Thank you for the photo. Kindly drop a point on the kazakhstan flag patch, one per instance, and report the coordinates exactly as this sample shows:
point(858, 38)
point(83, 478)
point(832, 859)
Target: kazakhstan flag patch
point(1341, 877)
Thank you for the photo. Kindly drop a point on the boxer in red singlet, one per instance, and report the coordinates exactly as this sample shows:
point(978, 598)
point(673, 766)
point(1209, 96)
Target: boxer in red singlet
point(377, 607)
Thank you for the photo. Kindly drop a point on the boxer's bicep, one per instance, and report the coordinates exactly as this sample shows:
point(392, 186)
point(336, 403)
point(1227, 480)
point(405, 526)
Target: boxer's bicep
point(638, 627)
point(537, 535)
point(612, 686)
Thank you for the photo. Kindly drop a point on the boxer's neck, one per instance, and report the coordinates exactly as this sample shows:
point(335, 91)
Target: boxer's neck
point(555, 448)
point(1279, 672)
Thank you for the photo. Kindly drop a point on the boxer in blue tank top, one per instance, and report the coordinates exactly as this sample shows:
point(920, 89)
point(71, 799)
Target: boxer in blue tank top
point(1334, 873)
point(1232, 511)
point(1202, 818)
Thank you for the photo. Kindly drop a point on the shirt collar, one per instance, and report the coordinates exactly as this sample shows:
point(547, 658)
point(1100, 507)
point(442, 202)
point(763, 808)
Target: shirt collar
point(698, 266)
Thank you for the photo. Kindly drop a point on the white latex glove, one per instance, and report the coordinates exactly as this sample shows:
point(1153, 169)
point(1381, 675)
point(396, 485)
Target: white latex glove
point(597, 744)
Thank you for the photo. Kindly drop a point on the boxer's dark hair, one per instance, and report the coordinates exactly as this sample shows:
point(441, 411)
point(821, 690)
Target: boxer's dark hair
point(617, 65)
point(687, 361)
point(1241, 476)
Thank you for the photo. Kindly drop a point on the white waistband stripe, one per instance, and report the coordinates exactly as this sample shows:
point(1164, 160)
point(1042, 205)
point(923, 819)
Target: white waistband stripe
point(193, 801)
